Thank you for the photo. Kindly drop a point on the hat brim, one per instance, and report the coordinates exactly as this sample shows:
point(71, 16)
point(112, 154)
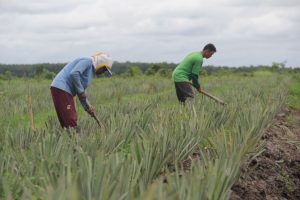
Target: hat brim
point(109, 72)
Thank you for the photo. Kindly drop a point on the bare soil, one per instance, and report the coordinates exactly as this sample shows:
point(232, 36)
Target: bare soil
point(274, 174)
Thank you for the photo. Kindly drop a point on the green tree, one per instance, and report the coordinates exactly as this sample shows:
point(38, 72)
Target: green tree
point(160, 69)
point(43, 73)
point(133, 71)
point(48, 75)
point(7, 75)
point(278, 66)
point(39, 70)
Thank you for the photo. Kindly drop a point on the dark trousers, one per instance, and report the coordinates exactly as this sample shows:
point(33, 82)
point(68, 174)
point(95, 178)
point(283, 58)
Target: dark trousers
point(184, 91)
point(65, 107)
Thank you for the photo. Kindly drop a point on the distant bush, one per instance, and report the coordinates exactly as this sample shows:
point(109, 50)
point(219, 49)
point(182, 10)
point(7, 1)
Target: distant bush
point(7, 75)
point(248, 74)
point(159, 69)
point(44, 74)
point(133, 71)
point(49, 75)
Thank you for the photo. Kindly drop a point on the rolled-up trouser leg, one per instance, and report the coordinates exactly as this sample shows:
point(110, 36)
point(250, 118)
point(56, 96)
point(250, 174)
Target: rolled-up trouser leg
point(184, 91)
point(65, 107)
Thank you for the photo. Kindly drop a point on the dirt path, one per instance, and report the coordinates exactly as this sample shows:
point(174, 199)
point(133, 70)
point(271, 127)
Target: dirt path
point(275, 174)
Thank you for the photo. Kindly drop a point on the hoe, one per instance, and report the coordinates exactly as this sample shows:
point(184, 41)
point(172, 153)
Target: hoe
point(214, 98)
point(97, 120)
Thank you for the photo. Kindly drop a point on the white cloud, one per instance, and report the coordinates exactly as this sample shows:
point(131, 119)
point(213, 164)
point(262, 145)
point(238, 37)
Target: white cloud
point(151, 31)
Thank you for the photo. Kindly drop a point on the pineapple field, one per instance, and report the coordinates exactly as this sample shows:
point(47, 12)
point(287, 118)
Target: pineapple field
point(150, 146)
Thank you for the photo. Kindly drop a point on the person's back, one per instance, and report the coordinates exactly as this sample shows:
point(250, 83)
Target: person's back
point(191, 64)
point(63, 79)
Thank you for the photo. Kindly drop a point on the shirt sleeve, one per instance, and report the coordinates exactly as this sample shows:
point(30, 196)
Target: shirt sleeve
point(195, 81)
point(195, 73)
point(196, 67)
point(85, 104)
point(76, 73)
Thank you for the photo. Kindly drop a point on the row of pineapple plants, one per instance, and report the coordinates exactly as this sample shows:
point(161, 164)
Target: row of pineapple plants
point(147, 137)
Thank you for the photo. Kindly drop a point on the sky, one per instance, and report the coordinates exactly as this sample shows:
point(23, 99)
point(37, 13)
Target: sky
point(245, 32)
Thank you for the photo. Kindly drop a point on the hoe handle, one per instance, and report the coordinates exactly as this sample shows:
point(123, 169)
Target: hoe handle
point(213, 97)
point(96, 118)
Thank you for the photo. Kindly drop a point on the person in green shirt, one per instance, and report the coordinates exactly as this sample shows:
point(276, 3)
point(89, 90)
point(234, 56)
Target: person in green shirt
point(188, 70)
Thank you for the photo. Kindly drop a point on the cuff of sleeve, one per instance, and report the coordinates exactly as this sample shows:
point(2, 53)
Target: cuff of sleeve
point(85, 104)
point(197, 86)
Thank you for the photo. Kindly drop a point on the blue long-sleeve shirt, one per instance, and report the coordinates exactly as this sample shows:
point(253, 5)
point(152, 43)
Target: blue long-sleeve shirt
point(75, 77)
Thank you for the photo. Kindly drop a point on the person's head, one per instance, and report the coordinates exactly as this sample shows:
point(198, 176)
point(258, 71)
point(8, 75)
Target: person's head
point(208, 50)
point(102, 63)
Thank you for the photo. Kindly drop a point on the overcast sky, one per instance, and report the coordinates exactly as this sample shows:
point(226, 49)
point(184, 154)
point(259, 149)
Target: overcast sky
point(245, 32)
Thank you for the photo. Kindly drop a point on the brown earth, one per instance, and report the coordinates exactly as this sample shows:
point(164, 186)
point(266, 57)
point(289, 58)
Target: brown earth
point(274, 174)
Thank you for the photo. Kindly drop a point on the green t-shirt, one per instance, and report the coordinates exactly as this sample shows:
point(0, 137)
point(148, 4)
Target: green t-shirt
point(189, 68)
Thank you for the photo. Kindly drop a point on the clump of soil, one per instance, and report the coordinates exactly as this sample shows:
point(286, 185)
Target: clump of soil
point(275, 174)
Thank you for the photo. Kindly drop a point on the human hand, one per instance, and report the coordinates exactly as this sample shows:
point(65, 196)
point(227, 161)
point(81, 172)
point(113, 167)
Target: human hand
point(91, 111)
point(200, 89)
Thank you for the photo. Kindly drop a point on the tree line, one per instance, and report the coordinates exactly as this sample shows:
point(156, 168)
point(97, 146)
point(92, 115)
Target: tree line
point(48, 70)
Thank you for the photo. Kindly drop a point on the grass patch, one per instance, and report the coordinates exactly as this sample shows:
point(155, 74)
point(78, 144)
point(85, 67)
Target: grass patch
point(263, 73)
point(294, 92)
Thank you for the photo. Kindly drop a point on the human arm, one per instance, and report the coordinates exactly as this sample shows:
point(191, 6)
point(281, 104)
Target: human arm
point(79, 74)
point(86, 104)
point(76, 74)
point(195, 73)
point(195, 81)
